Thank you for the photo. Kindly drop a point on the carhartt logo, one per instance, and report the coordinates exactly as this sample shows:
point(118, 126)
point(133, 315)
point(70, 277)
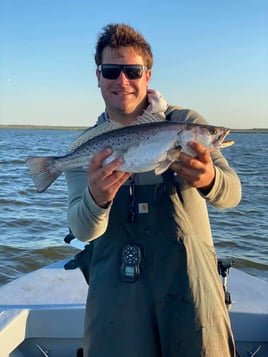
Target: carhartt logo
point(143, 207)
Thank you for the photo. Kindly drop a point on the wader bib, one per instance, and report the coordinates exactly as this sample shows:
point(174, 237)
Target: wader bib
point(176, 306)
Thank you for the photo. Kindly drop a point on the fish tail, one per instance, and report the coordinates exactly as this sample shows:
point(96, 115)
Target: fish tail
point(42, 171)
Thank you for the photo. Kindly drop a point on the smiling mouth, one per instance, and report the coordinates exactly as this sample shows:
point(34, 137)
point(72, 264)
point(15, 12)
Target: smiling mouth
point(122, 93)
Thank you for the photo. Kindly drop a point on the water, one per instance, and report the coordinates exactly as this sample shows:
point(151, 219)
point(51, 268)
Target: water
point(33, 225)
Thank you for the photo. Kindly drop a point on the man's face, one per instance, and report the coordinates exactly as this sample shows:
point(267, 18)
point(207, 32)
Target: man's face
point(124, 98)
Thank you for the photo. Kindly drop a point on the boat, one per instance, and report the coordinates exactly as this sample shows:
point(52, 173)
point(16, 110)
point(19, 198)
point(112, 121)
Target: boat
point(42, 312)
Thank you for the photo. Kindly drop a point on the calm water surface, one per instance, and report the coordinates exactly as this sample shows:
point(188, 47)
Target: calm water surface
point(33, 225)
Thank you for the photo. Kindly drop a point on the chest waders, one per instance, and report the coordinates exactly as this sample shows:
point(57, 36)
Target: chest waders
point(176, 306)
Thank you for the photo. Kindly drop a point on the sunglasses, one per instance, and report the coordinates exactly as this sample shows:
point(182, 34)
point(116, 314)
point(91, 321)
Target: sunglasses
point(112, 71)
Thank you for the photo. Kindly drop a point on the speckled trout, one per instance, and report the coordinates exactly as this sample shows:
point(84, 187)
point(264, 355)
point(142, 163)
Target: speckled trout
point(147, 146)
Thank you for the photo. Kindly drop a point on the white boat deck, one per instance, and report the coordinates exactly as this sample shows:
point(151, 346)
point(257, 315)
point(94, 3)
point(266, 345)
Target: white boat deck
point(53, 292)
point(45, 287)
point(47, 304)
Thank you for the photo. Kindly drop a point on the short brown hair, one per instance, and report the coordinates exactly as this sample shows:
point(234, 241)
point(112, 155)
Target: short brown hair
point(122, 35)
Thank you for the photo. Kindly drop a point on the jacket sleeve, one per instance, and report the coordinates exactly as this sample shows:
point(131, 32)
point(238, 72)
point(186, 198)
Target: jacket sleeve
point(226, 189)
point(86, 220)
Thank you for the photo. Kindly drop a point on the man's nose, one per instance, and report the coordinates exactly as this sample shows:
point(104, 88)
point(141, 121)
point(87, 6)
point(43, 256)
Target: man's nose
point(122, 77)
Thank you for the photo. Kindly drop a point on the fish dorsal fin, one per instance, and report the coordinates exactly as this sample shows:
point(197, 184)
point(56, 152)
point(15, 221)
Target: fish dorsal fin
point(91, 132)
point(147, 117)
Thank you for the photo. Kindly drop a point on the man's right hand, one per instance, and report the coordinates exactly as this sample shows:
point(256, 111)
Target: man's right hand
point(104, 180)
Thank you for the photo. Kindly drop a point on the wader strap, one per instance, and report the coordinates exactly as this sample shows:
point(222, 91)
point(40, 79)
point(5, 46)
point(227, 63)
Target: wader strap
point(172, 186)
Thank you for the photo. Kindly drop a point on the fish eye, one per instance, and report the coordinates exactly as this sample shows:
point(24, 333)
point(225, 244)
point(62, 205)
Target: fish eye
point(213, 131)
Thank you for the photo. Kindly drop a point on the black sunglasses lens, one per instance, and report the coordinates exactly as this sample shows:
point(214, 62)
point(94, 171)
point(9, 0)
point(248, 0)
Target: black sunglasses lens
point(111, 72)
point(133, 72)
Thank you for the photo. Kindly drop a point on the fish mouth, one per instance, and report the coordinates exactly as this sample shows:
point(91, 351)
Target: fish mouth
point(226, 143)
point(219, 140)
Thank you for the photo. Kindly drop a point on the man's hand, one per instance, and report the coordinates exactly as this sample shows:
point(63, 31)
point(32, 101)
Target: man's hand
point(197, 171)
point(105, 181)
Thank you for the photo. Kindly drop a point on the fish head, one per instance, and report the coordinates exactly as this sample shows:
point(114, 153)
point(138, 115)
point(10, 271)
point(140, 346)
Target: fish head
point(212, 137)
point(216, 137)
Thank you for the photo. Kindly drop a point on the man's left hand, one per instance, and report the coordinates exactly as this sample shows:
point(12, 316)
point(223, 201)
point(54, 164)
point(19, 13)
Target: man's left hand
point(198, 171)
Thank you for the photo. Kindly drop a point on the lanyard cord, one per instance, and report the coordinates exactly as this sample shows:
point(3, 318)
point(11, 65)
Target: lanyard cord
point(132, 211)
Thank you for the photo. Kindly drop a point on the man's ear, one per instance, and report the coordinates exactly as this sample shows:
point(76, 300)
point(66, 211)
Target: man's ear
point(98, 77)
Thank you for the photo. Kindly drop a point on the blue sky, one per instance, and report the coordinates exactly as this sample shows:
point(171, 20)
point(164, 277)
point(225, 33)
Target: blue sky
point(210, 56)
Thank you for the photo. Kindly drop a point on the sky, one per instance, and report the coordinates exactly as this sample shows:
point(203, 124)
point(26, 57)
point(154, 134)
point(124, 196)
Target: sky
point(210, 56)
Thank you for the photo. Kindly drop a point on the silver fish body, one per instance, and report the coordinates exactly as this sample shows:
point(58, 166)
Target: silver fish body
point(143, 147)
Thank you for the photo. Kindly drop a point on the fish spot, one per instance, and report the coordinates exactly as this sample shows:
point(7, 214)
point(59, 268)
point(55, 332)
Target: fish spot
point(52, 170)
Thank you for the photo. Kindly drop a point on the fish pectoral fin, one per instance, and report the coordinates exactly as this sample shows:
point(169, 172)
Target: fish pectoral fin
point(162, 167)
point(174, 154)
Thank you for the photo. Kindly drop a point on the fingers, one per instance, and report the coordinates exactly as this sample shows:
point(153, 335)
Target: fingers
point(104, 180)
point(97, 163)
point(106, 173)
point(197, 171)
point(203, 153)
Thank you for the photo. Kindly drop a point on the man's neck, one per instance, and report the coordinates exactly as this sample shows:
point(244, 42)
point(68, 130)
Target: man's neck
point(127, 118)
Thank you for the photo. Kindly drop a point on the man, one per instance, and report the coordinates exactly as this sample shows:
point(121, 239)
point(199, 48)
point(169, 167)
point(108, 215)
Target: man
point(154, 289)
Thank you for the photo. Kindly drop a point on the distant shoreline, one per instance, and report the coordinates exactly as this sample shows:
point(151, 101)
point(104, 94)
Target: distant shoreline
point(57, 127)
point(41, 127)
